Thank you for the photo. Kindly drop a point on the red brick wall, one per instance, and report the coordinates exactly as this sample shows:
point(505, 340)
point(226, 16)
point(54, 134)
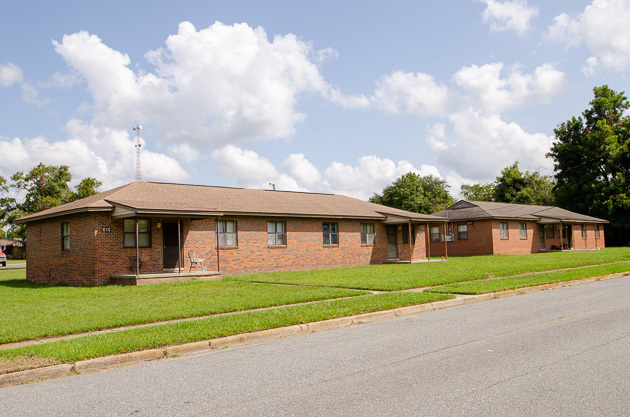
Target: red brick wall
point(590, 242)
point(304, 249)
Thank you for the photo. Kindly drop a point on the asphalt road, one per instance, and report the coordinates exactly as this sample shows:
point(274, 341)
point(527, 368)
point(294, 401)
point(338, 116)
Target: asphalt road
point(564, 352)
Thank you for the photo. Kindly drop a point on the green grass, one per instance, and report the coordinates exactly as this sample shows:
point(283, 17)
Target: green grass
point(457, 269)
point(15, 261)
point(30, 310)
point(511, 283)
point(217, 326)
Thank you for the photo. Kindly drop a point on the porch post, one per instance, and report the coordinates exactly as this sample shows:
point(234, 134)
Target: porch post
point(216, 233)
point(561, 241)
point(179, 247)
point(137, 251)
point(445, 245)
point(428, 240)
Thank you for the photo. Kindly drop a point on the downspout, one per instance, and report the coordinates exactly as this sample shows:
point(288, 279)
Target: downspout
point(216, 232)
point(137, 251)
point(179, 248)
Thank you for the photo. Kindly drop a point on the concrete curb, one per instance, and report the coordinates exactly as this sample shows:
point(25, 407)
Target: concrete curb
point(16, 378)
point(134, 358)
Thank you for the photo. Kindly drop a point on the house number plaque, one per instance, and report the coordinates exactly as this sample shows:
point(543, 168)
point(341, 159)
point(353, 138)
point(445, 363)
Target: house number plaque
point(107, 229)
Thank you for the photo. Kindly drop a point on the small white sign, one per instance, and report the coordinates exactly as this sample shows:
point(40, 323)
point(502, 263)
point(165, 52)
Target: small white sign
point(106, 229)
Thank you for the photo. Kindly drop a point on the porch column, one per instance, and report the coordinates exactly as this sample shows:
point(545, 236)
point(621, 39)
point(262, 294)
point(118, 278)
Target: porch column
point(561, 241)
point(179, 247)
point(445, 245)
point(137, 250)
point(427, 238)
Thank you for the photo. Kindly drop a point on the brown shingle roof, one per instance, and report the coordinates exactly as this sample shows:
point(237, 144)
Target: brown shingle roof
point(153, 197)
point(471, 210)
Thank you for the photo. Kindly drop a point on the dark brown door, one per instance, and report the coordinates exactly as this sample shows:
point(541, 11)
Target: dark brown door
point(170, 239)
point(392, 244)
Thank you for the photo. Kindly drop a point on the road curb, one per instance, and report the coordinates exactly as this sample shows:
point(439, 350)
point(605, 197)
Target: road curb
point(22, 377)
point(133, 358)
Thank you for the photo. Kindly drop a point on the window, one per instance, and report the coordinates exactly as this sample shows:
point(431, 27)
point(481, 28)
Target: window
point(435, 234)
point(331, 233)
point(405, 234)
point(522, 227)
point(227, 233)
point(65, 236)
point(549, 228)
point(367, 233)
point(144, 233)
point(504, 230)
point(462, 232)
point(597, 235)
point(276, 234)
point(583, 231)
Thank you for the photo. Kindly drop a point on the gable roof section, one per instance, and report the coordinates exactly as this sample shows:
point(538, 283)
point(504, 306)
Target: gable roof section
point(153, 198)
point(481, 210)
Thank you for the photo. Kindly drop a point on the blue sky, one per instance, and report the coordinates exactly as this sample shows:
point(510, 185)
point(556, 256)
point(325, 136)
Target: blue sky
point(325, 96)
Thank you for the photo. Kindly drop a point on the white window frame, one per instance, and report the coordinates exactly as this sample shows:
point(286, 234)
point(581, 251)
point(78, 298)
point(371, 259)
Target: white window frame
point(434, 237)
point(65, 236)
point(276, 233)
point(522, 227)
point(227, 231)
point(367, 233)
point(597, 232)
point(504, 231)
point(462, 232)
point(330, 233)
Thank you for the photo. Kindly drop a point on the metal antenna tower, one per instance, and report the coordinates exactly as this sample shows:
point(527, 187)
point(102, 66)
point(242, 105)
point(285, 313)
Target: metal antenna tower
point(138, 146)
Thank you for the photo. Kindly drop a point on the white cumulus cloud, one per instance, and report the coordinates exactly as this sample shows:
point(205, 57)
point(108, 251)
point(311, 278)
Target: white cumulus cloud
point(603, 28)
point(10, 74)
point(513, 15)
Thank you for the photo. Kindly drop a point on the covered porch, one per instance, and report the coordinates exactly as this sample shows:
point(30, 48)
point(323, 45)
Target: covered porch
point(411, 241)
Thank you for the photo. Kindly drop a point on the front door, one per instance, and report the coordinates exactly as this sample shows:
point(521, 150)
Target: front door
point(170, 240)
point(541, 236)
point(392, 246)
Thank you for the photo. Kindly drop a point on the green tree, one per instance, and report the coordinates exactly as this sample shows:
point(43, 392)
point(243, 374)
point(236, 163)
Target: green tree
point(592, 163)
point(44, 187)
point(478, 192)
point(514, 186)
point(419, 194)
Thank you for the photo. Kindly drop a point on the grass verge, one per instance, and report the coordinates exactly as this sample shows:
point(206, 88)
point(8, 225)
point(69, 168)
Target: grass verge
point(72, 350)
point(512, 283)
point(29, 311)
point(457, 269)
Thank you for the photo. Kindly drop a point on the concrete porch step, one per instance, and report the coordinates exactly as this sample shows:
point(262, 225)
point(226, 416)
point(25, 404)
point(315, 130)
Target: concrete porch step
point(156, 278)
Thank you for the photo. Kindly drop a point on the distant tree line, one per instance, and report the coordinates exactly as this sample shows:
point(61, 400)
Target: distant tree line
point(44, 187)
point(591, 173)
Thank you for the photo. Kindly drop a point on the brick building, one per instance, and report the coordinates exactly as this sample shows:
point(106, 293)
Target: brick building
point(146, 231)
point(484, 228)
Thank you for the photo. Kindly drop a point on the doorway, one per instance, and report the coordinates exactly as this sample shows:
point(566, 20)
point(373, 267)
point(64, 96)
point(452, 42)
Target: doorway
point(392, 244)
point(170, 254)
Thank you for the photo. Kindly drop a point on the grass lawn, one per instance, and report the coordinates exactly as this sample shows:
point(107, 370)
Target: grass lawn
point(16, 261)
point(511, 283)
point(30, 311)
point(457, 269)
point(218, 326)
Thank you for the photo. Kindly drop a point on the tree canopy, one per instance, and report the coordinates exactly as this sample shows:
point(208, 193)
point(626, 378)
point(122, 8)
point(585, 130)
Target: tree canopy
point(592, 163)
point(44, 187)
point(419, 194)
point(514, 186)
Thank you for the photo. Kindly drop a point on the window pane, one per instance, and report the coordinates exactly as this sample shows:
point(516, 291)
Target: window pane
point(271, 227)
point(130, 240)
point(334, 239)
point(280, 227)
point(370, 239)
point(143, 225)
point(326, 228)
point(281, 239)
point(129, 226)
point(271, 239)
point(144, 240)
point(326, 239)
point(334, 227)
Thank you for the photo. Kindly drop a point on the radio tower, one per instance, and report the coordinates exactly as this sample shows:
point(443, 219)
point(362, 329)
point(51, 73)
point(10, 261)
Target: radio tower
point(138, 146)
